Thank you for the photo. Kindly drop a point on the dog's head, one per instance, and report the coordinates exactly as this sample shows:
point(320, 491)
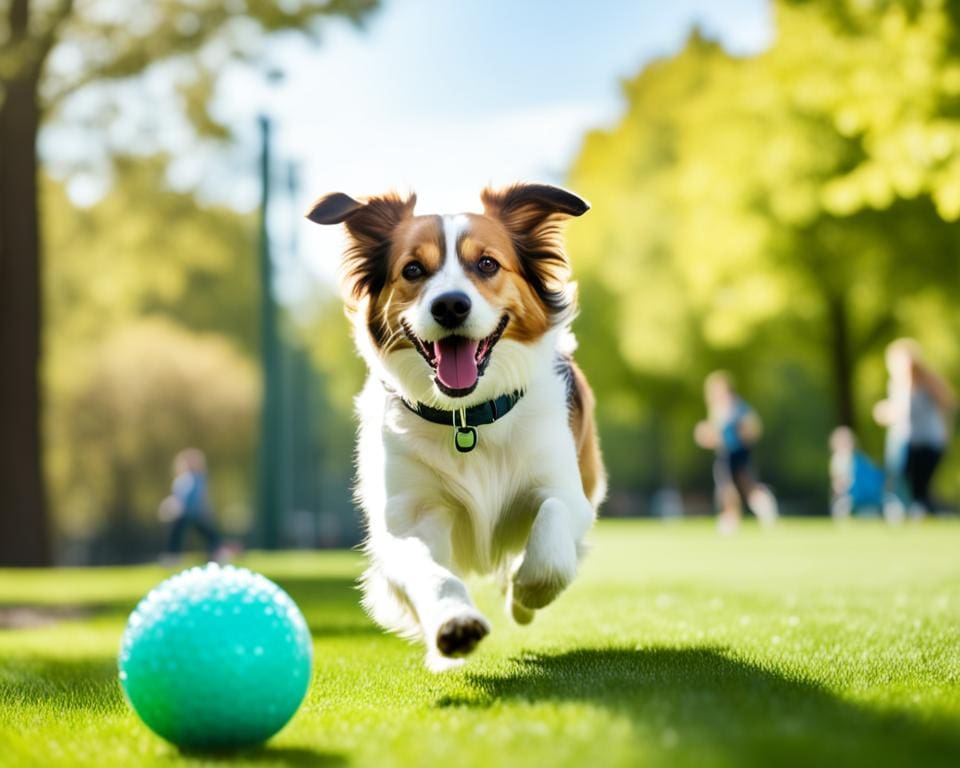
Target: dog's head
point(453, 310)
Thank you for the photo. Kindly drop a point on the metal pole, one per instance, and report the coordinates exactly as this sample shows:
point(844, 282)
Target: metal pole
point(268, 464)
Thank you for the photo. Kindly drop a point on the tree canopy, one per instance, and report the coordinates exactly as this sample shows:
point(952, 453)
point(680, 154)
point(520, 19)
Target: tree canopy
point(792, 210)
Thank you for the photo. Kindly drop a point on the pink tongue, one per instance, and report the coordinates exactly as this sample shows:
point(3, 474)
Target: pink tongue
point(457, 362)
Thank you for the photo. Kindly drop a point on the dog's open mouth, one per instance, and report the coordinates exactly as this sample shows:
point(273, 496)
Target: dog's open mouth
point(458, 362)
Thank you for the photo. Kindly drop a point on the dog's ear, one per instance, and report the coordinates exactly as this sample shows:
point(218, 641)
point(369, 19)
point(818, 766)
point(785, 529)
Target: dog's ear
point(371, 220)
point(370, 224)
point(334, 208)
point(532, 215)
point(524, 207)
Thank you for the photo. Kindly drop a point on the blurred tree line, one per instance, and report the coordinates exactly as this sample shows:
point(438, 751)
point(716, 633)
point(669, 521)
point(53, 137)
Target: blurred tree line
point(783, 216)
point(151, 345)
point(51, 53)
point(150, 338)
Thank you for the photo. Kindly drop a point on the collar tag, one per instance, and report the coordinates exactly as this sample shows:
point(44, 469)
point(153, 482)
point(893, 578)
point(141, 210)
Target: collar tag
point(465, 439)
point(465, 434)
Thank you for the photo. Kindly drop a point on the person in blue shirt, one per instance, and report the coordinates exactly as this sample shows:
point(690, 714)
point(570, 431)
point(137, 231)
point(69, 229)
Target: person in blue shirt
point(189, 506)
point(857, 483)
point(731, 429)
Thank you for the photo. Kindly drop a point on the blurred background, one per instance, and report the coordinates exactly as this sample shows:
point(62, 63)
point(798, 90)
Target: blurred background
point(775, 190)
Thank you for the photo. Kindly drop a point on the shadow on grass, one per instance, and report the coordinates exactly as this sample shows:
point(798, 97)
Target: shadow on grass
point(331, 607)
point(68, 685)
point(693, 702)
point(268, 755)
point(92, 685)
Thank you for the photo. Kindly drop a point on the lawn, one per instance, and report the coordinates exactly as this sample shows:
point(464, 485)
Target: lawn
point(809, 645)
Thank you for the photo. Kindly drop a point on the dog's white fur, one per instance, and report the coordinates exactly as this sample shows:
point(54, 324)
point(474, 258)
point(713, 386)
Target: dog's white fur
point(513, 507)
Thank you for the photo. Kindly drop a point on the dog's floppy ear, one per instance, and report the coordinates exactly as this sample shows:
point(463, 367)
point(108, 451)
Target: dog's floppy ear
point(372, 219)
point(532, 215)
point(334, 208)
point(370, 223)
point(523, 207)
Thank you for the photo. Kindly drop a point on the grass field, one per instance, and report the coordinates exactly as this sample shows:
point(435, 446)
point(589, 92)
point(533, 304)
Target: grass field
point(808, 645)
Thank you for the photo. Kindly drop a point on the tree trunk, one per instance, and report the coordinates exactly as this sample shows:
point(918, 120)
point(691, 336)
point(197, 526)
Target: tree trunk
point(841, 361)
point(24, 535)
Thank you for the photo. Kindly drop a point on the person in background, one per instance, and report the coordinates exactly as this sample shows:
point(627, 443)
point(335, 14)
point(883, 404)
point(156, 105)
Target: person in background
point(857, 483)
point(731, 429)
point(918, 413)
point(188, 506)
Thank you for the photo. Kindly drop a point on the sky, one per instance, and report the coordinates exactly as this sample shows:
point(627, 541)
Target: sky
point(446, 97)
point(442, 97)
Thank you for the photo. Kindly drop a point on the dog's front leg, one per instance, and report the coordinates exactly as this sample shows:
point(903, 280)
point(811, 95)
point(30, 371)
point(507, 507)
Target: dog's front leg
point(549, 561)
point(415, 560)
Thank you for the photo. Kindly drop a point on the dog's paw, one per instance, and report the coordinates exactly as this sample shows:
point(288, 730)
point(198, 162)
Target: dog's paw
point(519, 613)
point(549, 562)
point(459, 635)
point(537, 582)
point(534, 594)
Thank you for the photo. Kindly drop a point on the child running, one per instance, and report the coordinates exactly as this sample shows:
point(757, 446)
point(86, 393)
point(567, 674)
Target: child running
point(731, 429)
point(188, 506)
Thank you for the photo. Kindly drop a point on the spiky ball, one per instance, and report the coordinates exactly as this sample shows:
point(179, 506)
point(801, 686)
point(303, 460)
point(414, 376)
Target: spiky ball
point(216, 658)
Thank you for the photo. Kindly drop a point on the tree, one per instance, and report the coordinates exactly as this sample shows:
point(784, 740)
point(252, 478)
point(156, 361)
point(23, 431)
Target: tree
point(162, 266)
point(149, 389)
point(119, 276)
point(114, 42)
point(791, 210)
point(112, 263)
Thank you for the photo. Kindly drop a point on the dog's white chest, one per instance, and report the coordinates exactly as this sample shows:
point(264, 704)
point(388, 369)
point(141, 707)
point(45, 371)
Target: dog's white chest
point(410, 469)
point(491, 493)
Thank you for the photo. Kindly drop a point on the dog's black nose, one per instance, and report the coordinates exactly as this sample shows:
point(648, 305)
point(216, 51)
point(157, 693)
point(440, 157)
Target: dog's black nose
point(451, 309)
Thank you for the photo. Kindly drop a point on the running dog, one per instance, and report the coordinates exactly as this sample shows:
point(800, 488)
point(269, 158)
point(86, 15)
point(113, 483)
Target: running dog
point(477, 448)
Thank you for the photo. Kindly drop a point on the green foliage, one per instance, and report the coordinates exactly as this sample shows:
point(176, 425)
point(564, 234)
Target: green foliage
point(50, 49)
point(143, 266)
point(99, 40)
point(149, 390)
point(673, 648)
point(127, 388)
point(325, 334)
point(147, 248)
point(788, 212)
point(329, 336)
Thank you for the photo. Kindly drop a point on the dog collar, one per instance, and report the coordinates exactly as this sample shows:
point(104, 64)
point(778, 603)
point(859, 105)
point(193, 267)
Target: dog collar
point(465, 436)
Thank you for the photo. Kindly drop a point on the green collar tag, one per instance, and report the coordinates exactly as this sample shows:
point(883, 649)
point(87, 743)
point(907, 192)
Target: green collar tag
point(465, 420)
point(465, 439)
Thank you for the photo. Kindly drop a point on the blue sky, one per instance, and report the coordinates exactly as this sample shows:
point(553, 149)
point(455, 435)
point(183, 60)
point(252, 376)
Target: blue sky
point(444, 97)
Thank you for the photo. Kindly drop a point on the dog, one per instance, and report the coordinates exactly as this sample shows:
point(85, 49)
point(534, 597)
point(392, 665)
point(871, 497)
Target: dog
point(477, 449)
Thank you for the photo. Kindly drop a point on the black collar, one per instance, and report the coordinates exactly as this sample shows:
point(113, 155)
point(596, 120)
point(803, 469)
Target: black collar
point(476, 415)
point(465, 421)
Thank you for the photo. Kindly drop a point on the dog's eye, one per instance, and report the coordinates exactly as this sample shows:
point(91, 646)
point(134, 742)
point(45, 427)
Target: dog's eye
point(414, 270)
point(487, 265)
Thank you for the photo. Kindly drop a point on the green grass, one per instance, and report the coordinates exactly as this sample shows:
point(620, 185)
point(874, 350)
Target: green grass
point(810, 645)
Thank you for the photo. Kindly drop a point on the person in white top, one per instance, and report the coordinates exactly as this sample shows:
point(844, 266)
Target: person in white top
point(918, 413)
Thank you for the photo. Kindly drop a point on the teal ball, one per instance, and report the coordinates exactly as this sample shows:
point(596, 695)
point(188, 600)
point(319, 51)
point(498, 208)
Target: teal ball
point(216, 658)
